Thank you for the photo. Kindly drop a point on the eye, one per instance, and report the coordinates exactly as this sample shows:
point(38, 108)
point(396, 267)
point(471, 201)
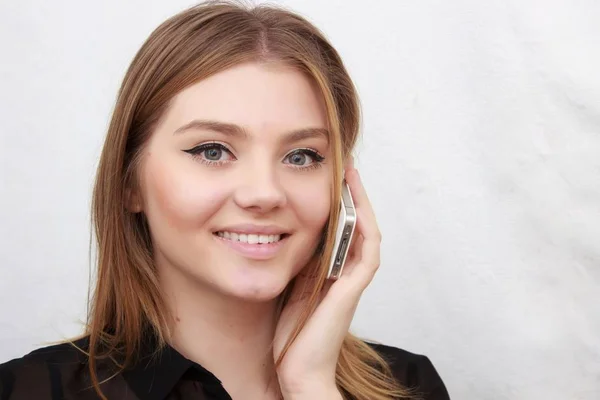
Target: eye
point(211, 153)
point(304, 158)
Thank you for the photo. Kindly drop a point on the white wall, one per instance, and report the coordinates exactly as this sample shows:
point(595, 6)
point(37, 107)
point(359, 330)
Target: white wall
point(481, 154)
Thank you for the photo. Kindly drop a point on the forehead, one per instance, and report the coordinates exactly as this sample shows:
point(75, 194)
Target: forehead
point(262, 98)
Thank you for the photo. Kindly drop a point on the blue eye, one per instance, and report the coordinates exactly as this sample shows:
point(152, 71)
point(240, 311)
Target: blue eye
point(304, 158)
point(298, 158)
point(211, 153)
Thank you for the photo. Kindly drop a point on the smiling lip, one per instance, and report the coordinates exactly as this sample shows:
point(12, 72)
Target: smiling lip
point(262, 251)
point(258, 251)
point(253, 229)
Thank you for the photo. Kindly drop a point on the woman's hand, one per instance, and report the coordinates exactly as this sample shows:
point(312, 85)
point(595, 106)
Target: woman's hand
point(308, 368)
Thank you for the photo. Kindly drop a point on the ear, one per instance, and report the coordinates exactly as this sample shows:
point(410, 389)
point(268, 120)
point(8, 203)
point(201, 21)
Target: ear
point(133, 200)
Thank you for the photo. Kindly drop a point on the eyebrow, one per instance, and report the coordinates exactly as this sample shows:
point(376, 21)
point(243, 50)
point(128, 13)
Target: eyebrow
point(234, 130)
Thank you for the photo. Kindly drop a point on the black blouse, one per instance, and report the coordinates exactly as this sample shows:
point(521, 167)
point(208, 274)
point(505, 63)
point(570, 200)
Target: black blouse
point(60, 372)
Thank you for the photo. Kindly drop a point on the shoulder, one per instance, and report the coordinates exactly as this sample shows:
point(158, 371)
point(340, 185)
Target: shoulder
point(46, 366)
point(57, 353)
point(413, 370)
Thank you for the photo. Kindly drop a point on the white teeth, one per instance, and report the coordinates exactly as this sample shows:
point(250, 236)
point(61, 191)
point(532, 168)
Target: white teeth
point(249, 238)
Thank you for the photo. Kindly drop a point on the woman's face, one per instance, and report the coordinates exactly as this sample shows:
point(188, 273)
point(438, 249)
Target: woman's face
point(239, 158)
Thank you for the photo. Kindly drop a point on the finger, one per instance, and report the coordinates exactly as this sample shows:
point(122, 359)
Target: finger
point(363, 268)
point(354, 253)
point(369, 262)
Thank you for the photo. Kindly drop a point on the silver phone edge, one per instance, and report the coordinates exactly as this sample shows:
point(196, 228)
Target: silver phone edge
point(346, 220)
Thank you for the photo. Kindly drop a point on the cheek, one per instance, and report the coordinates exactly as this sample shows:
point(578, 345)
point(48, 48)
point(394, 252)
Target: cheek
point(312, 204)
point(179, 197)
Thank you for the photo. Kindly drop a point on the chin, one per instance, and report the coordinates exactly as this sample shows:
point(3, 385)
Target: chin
point(255, 284)
point(254, 288)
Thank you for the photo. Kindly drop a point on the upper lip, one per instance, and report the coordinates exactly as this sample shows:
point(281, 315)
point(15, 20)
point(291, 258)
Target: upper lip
point(254, 229)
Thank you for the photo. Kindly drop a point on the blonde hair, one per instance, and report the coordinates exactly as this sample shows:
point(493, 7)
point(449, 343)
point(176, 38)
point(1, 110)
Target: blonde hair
point(189, 47)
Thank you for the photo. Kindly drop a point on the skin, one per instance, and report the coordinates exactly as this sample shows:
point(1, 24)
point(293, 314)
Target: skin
point(222, 300)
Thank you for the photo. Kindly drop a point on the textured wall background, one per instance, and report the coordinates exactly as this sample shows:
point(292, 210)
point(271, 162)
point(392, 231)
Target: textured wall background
point(481, 153)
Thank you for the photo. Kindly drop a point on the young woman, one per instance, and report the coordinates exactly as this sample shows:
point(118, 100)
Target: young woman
point(214, 207)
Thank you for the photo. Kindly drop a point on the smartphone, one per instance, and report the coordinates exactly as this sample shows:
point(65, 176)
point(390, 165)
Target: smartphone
point(343, 234)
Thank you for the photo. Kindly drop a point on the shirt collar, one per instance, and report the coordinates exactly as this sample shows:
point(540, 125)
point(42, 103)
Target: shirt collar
point(157, 371)
point(155, 374)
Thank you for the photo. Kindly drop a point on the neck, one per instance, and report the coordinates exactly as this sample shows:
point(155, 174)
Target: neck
point(229, 337)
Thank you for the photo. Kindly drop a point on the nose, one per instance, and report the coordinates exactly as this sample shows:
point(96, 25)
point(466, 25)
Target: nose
point(260, 189)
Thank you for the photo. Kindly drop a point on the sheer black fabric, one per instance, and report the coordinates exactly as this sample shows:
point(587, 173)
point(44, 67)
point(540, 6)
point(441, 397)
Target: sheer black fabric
point(60, 372)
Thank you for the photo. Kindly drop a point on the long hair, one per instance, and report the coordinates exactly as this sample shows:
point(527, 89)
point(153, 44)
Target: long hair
point(190, 46)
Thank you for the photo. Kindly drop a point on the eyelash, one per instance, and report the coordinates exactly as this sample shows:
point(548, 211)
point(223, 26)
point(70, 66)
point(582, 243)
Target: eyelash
point(197, 151)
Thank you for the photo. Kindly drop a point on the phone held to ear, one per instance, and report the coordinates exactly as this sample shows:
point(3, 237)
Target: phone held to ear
point(343, 234)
